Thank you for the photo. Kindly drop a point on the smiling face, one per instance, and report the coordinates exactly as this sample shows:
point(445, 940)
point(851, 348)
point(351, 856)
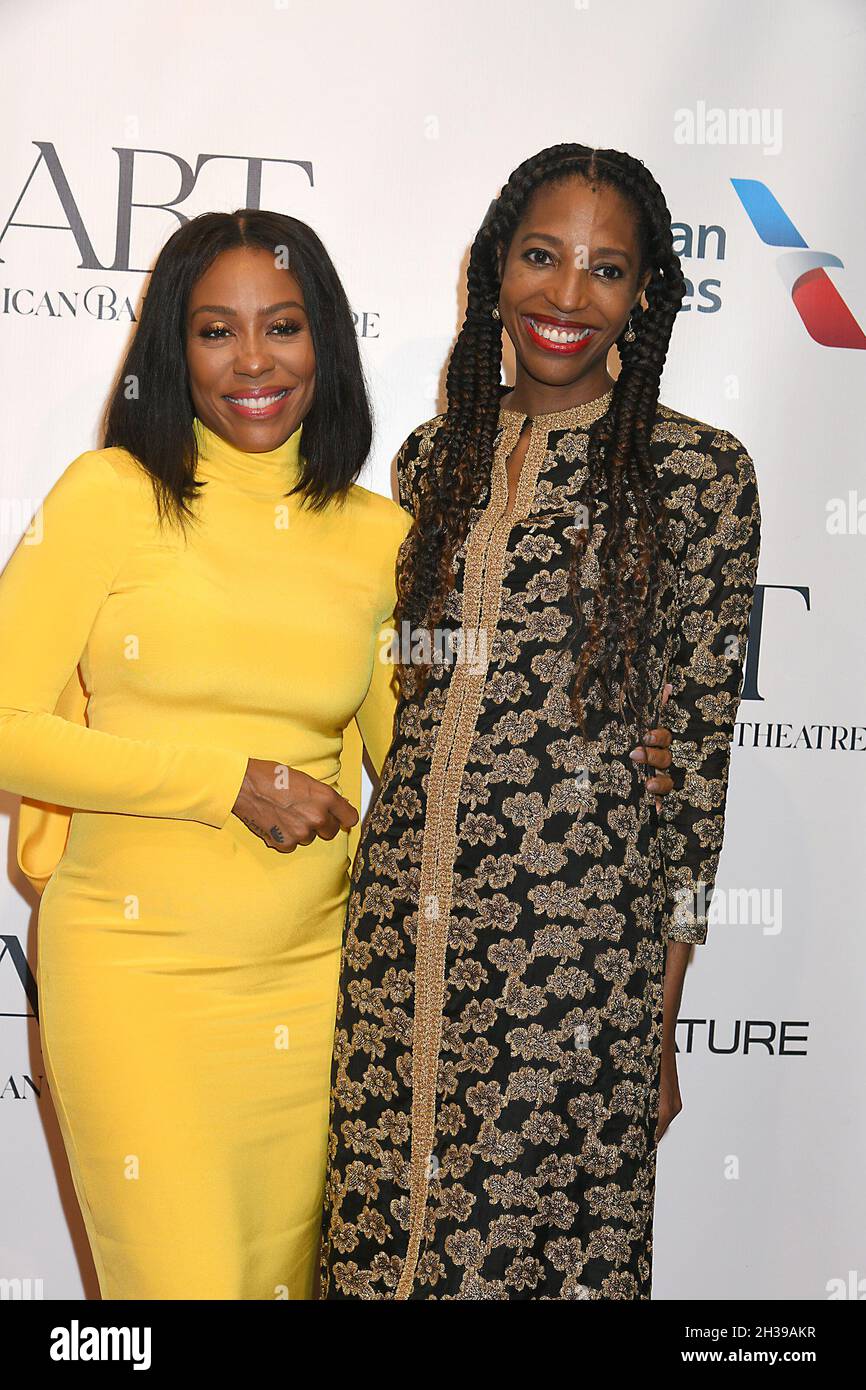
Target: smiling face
point(569, 282)
point(249, 350)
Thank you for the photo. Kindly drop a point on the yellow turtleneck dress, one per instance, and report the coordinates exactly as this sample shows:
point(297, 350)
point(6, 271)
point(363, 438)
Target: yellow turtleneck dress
point(187, 973)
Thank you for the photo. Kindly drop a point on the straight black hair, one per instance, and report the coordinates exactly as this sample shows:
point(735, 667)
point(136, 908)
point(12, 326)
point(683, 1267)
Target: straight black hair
point(151, 413)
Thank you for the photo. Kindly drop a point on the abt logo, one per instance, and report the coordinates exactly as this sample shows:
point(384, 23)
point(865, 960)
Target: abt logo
point(825, 315)
point(183, 178)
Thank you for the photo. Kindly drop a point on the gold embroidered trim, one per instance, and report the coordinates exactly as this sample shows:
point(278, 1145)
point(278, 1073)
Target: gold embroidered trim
point(482, 591)
point(585, 414)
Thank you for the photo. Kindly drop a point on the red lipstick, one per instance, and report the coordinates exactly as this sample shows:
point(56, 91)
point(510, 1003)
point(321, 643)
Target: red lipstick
point(563, 328)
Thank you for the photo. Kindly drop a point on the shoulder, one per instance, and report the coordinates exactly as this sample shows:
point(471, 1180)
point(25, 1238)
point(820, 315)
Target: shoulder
point(87, 516)
point(101, 471)
point(710, 486)
point(710, 463)
point(103, 502)
point(695, 448)
point(412, 459)
point(420, 440)
point(96, 481)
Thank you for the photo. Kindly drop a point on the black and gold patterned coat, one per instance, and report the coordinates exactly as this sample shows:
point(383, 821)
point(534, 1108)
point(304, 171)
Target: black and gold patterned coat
point(497, 1055)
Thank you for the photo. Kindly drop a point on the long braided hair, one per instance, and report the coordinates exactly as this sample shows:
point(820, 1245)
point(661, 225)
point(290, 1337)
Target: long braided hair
point(620, 469)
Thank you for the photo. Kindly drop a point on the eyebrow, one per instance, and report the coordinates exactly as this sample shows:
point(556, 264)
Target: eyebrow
point(225, 309)
point(557, 241)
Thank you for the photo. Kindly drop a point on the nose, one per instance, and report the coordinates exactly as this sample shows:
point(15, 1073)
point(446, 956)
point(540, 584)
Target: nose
point(569, 290)
point(254, 356)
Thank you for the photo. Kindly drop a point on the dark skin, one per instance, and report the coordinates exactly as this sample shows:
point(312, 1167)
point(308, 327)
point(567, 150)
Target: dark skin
point(575, 258)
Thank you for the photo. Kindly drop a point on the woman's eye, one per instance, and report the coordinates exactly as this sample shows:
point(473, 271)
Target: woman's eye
point(284, 328)
point(616, 275)
point(538, 251)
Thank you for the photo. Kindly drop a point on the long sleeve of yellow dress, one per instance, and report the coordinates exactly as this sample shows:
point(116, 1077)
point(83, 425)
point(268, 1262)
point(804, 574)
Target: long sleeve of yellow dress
point(50, 594)
point(372, 728)
point(187, 973)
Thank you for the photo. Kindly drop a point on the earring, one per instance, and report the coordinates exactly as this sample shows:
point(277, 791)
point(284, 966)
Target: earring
point(494, 312)
point(630, 334)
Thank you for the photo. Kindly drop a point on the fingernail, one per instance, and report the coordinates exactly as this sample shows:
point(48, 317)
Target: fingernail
point(637, 755)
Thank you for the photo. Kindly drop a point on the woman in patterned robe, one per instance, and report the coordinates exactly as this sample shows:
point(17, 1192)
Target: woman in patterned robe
point(521, 911)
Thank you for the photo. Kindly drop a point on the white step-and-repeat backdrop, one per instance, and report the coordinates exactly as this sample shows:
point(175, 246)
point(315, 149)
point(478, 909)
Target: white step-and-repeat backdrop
point(389, 126)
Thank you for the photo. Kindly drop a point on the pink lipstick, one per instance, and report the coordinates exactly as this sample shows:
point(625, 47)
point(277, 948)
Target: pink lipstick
point(260, 404)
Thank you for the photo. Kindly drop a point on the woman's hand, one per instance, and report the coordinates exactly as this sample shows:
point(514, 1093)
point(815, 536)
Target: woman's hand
point(286, 808)
point(655, 754)
point(670, 1100)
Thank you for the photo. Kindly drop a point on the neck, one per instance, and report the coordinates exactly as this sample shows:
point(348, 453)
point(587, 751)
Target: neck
point(531, 397)
point(270, 474)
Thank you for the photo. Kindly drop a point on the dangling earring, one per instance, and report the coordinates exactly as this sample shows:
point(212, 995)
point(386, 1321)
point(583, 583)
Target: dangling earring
point(494, 312)
point(630, 334)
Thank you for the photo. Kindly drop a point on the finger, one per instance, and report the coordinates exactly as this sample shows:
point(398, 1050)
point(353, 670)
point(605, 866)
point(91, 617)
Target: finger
point(668, 690)
point(658, 757)
point(659, 784)
point(343, 810)
point(651, 755)
point(328, 826)
point(307, 836)
point(270, 835)
point(279, 838)
point(657, 738)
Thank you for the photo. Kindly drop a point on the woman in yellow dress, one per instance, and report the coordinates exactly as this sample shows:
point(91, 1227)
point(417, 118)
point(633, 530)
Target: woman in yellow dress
point(188, 953)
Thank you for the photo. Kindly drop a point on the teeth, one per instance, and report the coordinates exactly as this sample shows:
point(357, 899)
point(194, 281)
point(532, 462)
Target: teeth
point(559, 335)
point(256, 402)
